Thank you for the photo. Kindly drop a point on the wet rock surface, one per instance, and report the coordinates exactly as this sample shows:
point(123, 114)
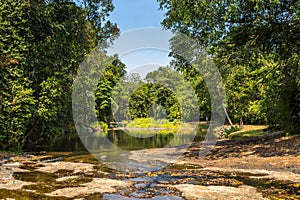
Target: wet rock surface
point(242, 174)
point(99, 185)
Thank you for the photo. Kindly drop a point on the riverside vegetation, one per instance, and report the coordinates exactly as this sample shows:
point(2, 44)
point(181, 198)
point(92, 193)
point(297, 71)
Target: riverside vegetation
point(254, 44)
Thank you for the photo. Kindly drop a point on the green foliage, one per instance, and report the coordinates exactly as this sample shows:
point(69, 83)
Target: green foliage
point(16, 96)
point(232, 129)
point(67, 34)
point(112, 75)
point(183, 89)
point(176, 121)
point(41, 46)
point(287, 134)
point(122, 93)
point(246, 89)
point(104, 126)
point(149, 94)
point(152, 123)
point(166, 94)
point(255, 45)
point(140, 121)
point(244, 134)
point(163, 94)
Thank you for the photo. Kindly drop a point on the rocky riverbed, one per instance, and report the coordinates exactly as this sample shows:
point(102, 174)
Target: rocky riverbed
point(266, 167)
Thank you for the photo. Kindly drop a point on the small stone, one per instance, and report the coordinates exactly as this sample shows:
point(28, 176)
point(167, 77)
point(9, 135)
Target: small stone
point(66, 178)
point(140, 185)
point(138, 195)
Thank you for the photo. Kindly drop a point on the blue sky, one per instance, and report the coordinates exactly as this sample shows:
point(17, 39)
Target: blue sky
point(130, 14)
point(137, 14)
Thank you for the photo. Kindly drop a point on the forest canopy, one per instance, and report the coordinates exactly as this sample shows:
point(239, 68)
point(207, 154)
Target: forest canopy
point(42, 44)
point(256, 46)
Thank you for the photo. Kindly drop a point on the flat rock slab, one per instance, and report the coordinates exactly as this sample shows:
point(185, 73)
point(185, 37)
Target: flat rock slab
point(71, 166)
point(6, 170)
point(97, 185)
point(166, 155)
point(197, 192)
point(12, 184)
point(7, 180)
point(119, 197)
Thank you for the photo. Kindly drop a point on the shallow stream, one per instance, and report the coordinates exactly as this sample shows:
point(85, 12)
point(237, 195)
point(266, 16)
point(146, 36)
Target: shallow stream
point(66, 170)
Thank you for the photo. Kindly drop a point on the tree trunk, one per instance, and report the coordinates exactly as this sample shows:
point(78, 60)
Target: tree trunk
point(241, 123)
point(226, 113)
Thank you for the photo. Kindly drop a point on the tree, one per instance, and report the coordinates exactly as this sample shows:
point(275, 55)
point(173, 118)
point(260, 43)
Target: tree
point(111, 76)
point(16, 96)
point(121, 95)
point(64, 33)
point(42, 45)
point(233, 31)
point(183, 89)
point(149, 94)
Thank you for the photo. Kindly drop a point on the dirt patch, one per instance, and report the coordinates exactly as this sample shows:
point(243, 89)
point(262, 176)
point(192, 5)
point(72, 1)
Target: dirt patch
point(269, 152)
point(258, 173)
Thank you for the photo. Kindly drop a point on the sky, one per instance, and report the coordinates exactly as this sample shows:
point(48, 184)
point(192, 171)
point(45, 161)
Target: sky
point(131, 16)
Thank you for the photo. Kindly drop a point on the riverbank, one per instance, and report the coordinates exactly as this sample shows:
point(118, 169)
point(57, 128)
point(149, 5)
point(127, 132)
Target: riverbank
point(262, 167)
point(272, 151)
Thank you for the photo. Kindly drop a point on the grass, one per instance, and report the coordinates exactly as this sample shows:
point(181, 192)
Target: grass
point(247, 131)
point(152, 123)
point(162, 125)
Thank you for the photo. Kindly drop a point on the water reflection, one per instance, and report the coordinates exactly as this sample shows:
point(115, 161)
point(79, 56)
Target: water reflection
point(139, 150)
point(139, 140)
point(129, 142)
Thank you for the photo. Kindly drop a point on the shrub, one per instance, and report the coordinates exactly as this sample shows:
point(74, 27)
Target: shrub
point(104, 126)
point(231, 130)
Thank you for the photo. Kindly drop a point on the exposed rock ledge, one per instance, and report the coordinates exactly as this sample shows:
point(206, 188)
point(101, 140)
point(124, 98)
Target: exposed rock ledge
point(197, 192)
point(100, 185)
point(71, 166)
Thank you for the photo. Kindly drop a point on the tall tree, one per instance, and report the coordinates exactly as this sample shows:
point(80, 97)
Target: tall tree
point(112, 74)
point(64, 32)
point(149, 94)
point(43, 43)
point(121, 95)
point(16, 96)
point(236, 30)
point(183, 91)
